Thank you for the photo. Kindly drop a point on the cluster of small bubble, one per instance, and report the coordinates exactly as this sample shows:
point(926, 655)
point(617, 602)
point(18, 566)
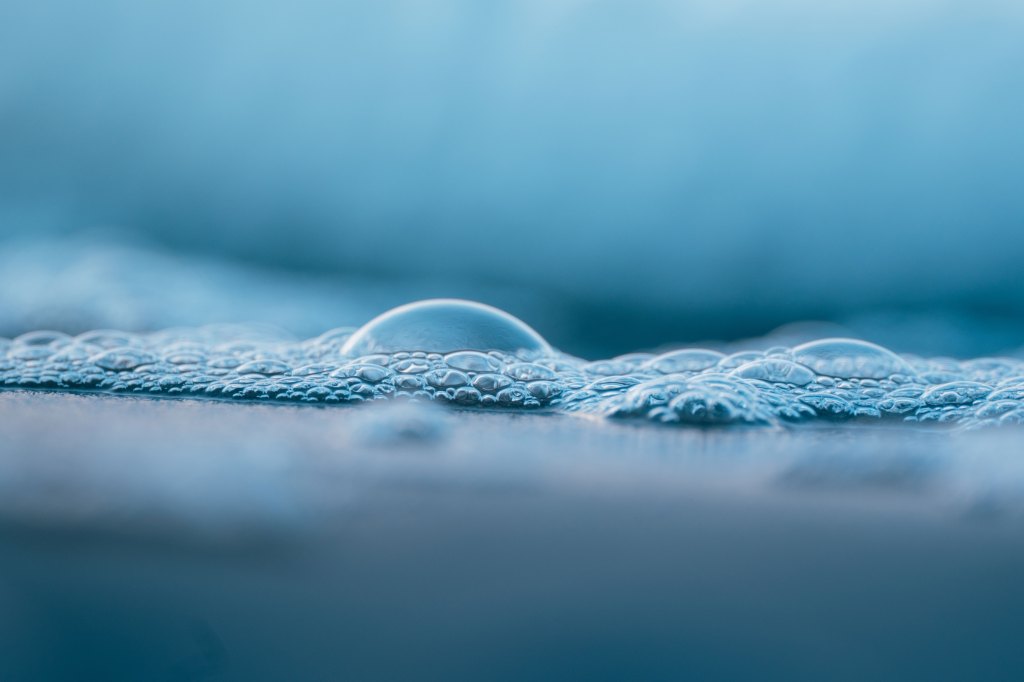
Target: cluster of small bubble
point(196, 363)
point(820, 381)
point(827, 380)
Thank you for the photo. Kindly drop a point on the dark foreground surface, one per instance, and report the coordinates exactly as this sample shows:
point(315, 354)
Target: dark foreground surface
point(176, 540)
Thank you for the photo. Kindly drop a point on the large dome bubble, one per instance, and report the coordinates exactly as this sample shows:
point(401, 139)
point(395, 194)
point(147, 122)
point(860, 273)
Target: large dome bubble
point(444, 326)
point(850, 359)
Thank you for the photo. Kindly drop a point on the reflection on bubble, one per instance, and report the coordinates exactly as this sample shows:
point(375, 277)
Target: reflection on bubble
point(686, 360)
point(444, 326)
point(850, 359)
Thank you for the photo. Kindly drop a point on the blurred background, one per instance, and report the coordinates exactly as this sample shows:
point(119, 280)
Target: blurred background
point(622, 175)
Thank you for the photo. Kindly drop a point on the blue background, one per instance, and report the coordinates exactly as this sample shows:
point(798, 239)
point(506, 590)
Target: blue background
point(621, 174)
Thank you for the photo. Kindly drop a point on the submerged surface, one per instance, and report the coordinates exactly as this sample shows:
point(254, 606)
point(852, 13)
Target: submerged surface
point(475, 356)
point(178, 539)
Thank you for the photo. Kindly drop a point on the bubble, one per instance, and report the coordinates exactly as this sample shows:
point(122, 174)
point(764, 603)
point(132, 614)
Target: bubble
point(447, 378)
point(854, 379)
point(28, 352)
point(491, 383)
point(309, 370)
point(107, 338)
point(687, 360)
point(411, 366)
point(472, 361)
point(365, 371)
point(123, 358)
point(708, 400)
point(898, 405)
point(1011, 391)
point(333, 338)
point(956, 393)
point(739, 359)
point(717, 400)
point(444, 326)
point(528, 371)
point(850, 359)
point(43, 338)
point(776, 371)
point(184, 358)
point(263, 367)
point(612, 383)
point(623, 364)
point(543, 390)
point(513, 396)
point(829, 405)
point(410, 382)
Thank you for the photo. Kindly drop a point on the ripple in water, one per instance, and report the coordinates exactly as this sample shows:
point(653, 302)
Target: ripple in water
point(473, 355)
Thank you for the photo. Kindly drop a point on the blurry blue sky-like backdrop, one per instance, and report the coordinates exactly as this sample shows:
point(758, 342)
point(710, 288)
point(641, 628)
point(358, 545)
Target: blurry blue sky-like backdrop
point(621, 174)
